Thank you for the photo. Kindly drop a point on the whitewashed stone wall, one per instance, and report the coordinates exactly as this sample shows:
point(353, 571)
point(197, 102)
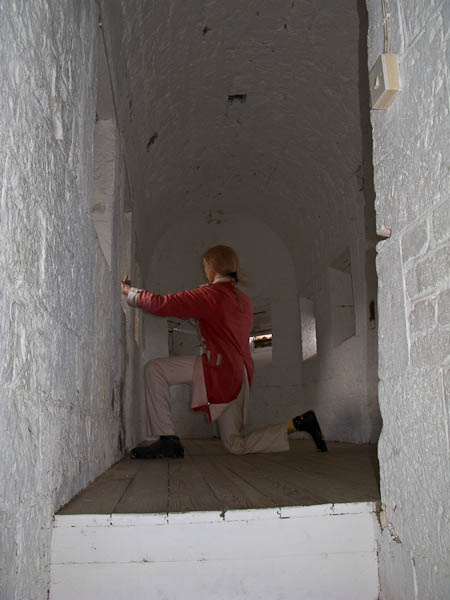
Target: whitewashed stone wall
point(60, 365)
point(290, 155)
point(412, 182)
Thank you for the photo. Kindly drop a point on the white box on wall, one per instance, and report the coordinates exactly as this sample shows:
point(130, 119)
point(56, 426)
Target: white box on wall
point(384, 80)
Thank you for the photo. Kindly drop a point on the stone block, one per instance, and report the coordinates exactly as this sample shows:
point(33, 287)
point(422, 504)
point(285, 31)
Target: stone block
point(430, 274)
point(405, 188)
point(422, 317)
point(393, 344)
point(446, 400)
point(396, 569)
point(415, 14)
point(412, 180)
point(447, 389)
point(443, 308)
point(432, 349)
point(441, 222)
point(412, 450)
point(415, 241)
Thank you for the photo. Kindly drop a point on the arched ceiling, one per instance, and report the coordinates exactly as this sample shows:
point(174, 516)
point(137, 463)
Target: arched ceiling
point(237, 105)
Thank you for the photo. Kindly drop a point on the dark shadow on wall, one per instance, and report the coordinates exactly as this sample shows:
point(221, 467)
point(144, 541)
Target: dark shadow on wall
point(368, 189)
point(366, 127)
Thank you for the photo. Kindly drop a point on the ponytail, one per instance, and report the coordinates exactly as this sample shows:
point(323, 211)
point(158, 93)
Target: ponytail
point(225, 262)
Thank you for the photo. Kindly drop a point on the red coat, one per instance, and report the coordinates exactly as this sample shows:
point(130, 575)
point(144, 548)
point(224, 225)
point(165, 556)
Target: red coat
point(225, 325)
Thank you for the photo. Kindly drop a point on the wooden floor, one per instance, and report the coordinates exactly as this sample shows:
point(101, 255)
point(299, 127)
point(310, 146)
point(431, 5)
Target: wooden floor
point(208, 478)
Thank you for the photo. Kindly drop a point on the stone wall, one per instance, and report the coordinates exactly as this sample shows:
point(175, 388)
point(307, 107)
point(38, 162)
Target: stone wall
point(247, 111)
point(61, 369)
point(412, 183)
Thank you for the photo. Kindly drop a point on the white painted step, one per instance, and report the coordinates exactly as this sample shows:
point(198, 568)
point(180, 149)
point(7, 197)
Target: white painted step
point(326, 552)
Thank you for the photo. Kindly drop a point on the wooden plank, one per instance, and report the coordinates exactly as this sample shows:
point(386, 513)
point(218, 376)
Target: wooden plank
point(209, 447)
point(231, 468)
point(149, 490)
point(326, 557)
point(277, 482)
point(211, 479)
point(222, 483)
point(341, 475)
point(188, 489)
point(127, 467)
point(352, 458)
point(99, 498)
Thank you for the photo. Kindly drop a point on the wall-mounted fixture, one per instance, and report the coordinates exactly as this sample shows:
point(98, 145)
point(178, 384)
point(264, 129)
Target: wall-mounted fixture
point(384, 79)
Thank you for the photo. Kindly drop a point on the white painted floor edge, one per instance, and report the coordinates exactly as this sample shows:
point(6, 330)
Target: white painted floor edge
point(326, 552)
point(281, 512)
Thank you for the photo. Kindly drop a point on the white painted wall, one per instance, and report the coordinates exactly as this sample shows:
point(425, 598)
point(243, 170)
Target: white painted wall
point(104, 184)
point(290, 157)
point(337, 381)
point(411, 146)
point(311, 552)
point(287, 160)
point(61, 365)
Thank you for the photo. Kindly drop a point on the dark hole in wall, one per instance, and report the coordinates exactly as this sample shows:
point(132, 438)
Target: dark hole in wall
point(242, 98)
point(121, 440)
point(263, 340)
point(152, 140)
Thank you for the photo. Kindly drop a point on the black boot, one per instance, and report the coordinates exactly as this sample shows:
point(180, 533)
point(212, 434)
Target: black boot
point(308, 422)
point(168, 446)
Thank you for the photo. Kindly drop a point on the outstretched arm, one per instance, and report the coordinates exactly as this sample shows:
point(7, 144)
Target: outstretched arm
point(195, 303)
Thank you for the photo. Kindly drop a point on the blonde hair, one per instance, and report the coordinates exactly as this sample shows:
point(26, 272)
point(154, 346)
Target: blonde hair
point(224, 261)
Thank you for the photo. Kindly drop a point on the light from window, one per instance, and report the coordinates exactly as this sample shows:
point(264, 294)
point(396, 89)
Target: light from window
point(308, 328)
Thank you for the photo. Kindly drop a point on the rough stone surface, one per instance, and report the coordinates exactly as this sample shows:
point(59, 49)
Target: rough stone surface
point(422, 318)
point(61, 367)
point(430, 273)
point(415, 241)
point(443, 308)
point(392, 332)
point(432, 349)
point(441, 222)
point(281, 175)
point(412, 183)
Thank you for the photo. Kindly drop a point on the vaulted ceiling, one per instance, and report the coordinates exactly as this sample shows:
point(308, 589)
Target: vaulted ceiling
point(240, 106)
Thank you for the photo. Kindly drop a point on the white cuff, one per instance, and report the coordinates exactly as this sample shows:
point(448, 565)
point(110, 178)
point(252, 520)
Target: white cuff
point(132, 296)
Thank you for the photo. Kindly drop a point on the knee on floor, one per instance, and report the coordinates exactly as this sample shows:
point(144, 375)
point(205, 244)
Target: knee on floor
point(233, 445)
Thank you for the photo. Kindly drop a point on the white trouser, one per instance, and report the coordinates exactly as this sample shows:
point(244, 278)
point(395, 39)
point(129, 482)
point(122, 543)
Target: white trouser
point(161, 373)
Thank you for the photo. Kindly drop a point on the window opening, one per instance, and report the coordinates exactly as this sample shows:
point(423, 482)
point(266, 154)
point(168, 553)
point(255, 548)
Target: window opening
point(261, 335)
point(308, 328)
point(262, 340)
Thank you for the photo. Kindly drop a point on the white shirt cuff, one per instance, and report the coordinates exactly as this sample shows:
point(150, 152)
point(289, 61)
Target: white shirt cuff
point(132, 296)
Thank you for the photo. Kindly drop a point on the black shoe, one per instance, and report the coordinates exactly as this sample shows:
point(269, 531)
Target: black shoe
point(308, 422)
point(168, 446)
